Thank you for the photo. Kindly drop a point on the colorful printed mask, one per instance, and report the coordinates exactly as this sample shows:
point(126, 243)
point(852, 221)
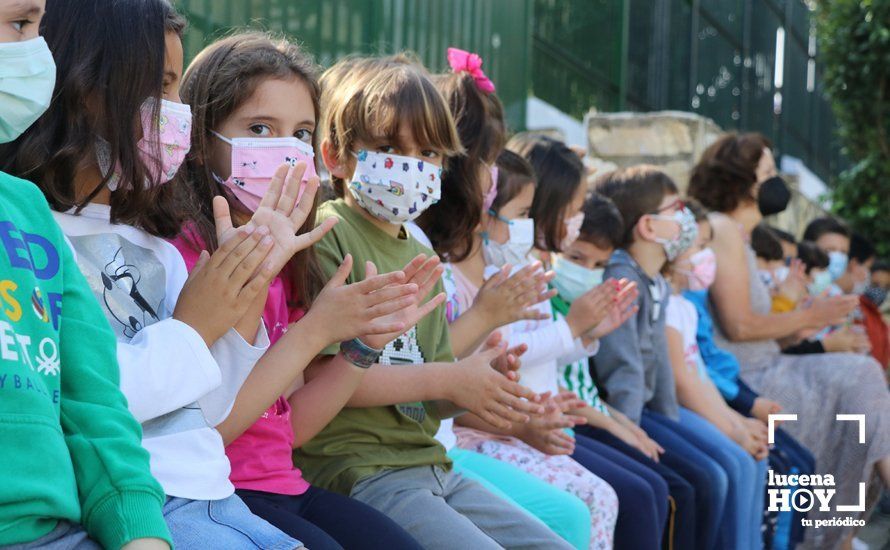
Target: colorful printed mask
point(395, 188)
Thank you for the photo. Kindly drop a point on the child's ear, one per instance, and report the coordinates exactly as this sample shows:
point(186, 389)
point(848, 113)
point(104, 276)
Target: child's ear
point(332, 161)
point(644, 229)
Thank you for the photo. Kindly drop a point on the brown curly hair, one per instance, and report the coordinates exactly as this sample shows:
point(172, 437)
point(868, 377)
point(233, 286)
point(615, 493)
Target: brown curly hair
point(725, 174)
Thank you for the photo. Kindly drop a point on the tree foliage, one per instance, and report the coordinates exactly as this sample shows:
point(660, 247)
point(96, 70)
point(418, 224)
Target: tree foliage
point(854, 51)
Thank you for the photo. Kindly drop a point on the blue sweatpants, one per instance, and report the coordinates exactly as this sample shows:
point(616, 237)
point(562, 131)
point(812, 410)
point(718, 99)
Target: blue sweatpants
point(642, 494)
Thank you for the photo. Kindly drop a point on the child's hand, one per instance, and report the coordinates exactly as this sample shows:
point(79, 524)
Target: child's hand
point(222, 286)
point(477, 387)
point(368, 307)
point(282, 214)
point(590, 309)
point(546, 432)
point(422, 273)
point(504, 299)
point(794, 287)
point(621, 309)
point(764, 407)
point(759, 434)
point(846, 339)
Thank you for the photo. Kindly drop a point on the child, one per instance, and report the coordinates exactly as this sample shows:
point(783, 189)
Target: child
point(468, 189)
point(67, 475)
point(633, 364)
point(740, 437)
point(275, 108)
point(579, 268)
point(184, 346)
point(386, 131)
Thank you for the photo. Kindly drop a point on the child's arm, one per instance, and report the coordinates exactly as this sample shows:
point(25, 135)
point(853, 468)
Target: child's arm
point(619, 363)
point(502, 299)
point(375, 306)
point(120, 500)
point(692, 392)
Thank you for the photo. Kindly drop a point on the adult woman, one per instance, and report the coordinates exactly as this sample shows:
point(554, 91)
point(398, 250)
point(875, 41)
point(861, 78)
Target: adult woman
point(728, 180)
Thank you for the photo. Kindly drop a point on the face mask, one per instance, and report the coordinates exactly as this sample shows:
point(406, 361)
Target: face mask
point(767, 277)
point(492, 194)
point(170, 136)
point(395, 188)
point(27, 79)
point(704, 270)
point(780, 274)
point(821, 282)
point(515, 250)
point(837, 265)
point(875, 294)
point(573, 229)
point(684, 239)
point(859, 288)
point(255, 161)
point(573, 280)
point(773, 196)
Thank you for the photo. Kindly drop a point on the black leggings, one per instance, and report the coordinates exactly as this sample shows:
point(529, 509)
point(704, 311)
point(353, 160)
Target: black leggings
point(323, 520)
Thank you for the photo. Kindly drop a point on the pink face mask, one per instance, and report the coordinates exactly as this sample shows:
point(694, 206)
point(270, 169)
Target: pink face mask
point(492, 194)
point(172, 133)
point(255, 160)
point(704, 269)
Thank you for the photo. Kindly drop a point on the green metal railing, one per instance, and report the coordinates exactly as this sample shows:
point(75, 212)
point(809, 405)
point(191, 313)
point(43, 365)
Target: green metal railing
point(496, 29)
point(713, 57)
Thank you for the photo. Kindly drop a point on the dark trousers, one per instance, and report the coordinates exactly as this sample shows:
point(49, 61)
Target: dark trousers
point(323, 520)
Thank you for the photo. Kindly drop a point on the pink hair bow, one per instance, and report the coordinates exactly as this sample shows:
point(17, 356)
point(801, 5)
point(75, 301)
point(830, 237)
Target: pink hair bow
point(462, 61)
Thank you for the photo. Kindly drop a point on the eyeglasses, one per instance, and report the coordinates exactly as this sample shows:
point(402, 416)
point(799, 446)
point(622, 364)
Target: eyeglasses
point(678, 204)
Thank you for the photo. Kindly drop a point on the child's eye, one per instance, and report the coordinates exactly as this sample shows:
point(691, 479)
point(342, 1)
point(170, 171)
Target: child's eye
point(260, 130)
point(304, 135)
point(389, 149)
point(20, 24)
point(431, 154)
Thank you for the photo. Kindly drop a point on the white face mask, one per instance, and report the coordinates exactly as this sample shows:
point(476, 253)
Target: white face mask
point(573, 230)
point(573, 280)
point(515, 250)
point(395, 188)
point(27, 79)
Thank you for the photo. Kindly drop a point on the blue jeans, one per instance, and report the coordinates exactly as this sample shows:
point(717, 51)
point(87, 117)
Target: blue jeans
point(226, 523)
point(705, 475)
point(642, 494)
point(567, 515)
point(746, 478)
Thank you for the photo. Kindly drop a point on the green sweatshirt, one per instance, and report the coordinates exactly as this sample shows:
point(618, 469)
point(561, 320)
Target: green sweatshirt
point(69, 448)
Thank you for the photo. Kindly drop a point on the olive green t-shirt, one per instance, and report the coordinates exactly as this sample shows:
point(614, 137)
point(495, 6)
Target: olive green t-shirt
point(360, 442)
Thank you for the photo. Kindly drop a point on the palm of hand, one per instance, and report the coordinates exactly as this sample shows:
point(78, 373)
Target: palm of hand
point(283, 229)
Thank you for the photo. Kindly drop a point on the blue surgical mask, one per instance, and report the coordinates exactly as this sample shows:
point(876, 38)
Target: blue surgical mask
point(821, 282)
point(573, 280)
point(837, 264)
point(27, 79)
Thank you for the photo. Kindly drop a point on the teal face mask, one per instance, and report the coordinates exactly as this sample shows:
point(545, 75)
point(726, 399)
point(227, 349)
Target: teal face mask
point(27, 79)
point(821, 282)
point(573, 280)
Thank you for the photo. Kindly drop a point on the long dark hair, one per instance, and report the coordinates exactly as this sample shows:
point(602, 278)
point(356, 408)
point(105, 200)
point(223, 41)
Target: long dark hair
point(560, 172)
point(220, 79)
point(479, 118)
point(109, 58)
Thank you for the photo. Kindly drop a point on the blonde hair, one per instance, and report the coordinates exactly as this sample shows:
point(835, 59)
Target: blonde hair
point(366, 99)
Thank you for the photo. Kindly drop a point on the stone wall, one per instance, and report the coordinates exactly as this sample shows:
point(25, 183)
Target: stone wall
point(673, 141)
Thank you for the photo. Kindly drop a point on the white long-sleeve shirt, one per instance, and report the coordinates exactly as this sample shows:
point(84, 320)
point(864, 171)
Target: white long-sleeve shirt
point(175, 386)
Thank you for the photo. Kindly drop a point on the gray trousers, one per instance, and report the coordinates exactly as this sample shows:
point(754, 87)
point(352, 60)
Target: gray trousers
point(444, 510)
point(65, 536)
